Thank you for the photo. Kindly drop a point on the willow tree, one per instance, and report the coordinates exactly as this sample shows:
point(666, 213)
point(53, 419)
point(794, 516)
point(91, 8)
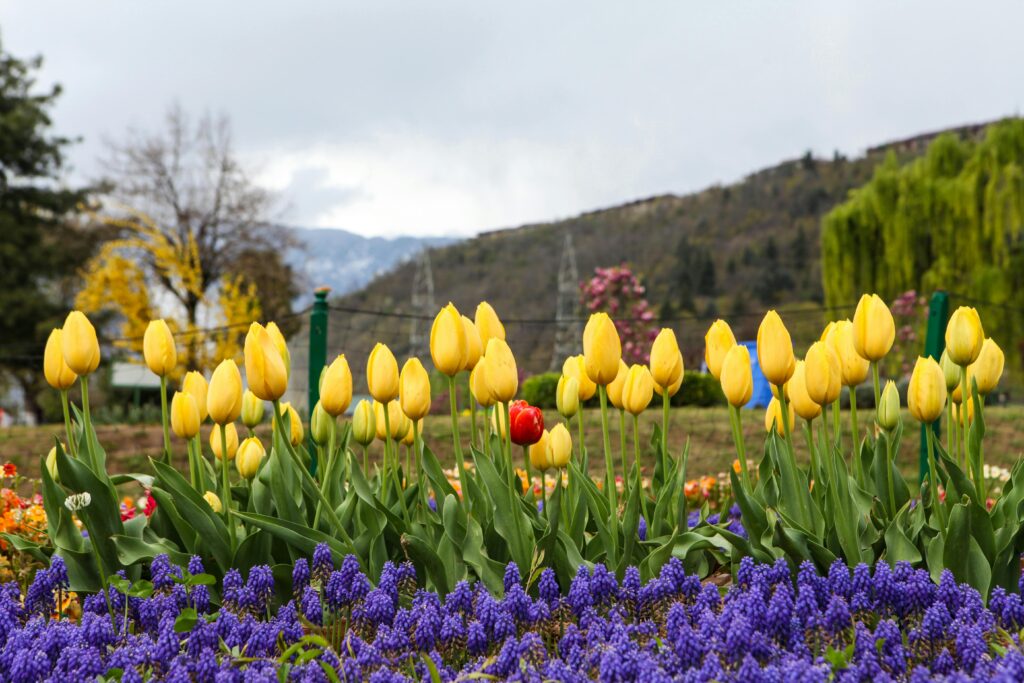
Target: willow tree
point(951, 219)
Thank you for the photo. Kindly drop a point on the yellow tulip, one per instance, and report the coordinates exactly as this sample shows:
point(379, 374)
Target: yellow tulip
point(382, 374)
point(950, 371)
point(58, 374)
point(414, 389)
point(448, 345)
point(889, 407)
point(252, 409)
point(666, 360)
point(854, 367)
point(673, 388)
point(184, 415)
point(224, 397)
point(560, 445)
point(474, 347)
point(874, 330)
point(478, 386)
point(615, 388)
point(213, 500)
point(295, 423)
point(230, 435)
point(574, 366)
point(736, 376)
point(717, 342)
point(158, 348)
point(957, 393)
point(249, 457)
point(498, 422)
point(79, 344)
point(773, 416)
point(364, 423)
point(926, 395)
point(195, 384)
point(964, 336)
point(282, 346)
point(827, 331)
point(488, 325)
point(51, 462)
point(567, 396)
point(394, 417)
point(775, 349)
point(404, 427)
point(500, 372)
point(602, 349)
point(540, 456)
point(823, 374)
point(960, 412)
point(265, 369)
point(409, 437)
point(336, 387)
point(638, 389)
point(321, 425)
point(803, 404)
point(988, 368)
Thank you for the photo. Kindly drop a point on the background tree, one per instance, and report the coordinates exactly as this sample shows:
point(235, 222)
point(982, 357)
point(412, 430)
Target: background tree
point(694, 274)
point(41, 248)
point(618, 292)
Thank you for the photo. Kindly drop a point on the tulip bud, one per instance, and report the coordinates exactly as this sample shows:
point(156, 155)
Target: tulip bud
point(488, 325)
point(195, 384)
point(957, 394)
point(336, 388)
point(252, 410)
point(854, 367)
point(184, 415)
point(673, 388)
point(602, 349)
point(58, 374)
point(474, 348)
point(775, 349)
point(213, 500)
point(736, 376)
point(823, 374)
point(478, 386)
point(559, 445)
point(321, 425)
point(230, 436)
point(638, 389)
point(364, 423)
point(803, 404)
point(874, 330)
point(717, 342)
point(574, 366)
point(265, 368)
point(567, 396)
point(827, 331)
point(448, 345)
point(964, 336)
point(158, 348)
point(988, 368)
point(79, 345)
point(773, 415)
point(414, 389)
point(282, 347)
point(382, 374)
point(394, 417)
point(950, 371)
point(615, 388)
point(527, 423)
point(889, 407)
point(51, 462)
point(224, 397)
point(540, 456)
point(500, 372)
point(249, 457)
point(408, 435)
point(666, 360)
point(926, 395)
point(295, 423)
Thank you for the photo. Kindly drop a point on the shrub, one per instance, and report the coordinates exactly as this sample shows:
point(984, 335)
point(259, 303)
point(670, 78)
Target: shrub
point(540, 390)
point(699, 389)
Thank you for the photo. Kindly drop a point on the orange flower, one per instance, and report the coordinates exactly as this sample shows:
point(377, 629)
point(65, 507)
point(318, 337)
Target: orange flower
point(736, 466)
point(10, 470)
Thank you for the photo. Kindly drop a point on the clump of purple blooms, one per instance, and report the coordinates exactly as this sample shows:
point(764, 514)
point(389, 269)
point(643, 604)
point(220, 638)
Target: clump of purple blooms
point(771, 624)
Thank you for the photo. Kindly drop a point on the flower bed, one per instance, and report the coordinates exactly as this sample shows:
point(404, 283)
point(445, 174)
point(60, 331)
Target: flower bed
point(894, 624)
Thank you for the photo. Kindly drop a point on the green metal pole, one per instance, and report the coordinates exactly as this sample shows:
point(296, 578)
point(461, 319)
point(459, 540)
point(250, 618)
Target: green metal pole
point(934, 344)
point(317, 358)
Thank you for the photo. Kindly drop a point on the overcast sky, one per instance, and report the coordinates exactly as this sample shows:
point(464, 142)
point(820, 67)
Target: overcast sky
point(390, 118)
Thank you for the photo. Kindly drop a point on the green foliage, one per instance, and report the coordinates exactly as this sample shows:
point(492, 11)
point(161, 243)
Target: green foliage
point(541, 390)
point(698, 389)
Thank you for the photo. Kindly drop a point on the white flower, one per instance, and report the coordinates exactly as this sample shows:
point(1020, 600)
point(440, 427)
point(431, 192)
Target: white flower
point(77, 501)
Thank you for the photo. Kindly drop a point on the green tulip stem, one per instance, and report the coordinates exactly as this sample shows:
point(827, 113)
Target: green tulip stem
point(193, 466)
point(665, 405)
point(965, 396)
point(385, 480)
point(164, 420)
point(952, 433)
point(787, 428)
point(854, 429)
point(735, 421)
point(104, 585)
point(877, 384)
point(456, 440)
point(933, 480)
point(544, 493)
point(636, 464)
point(506, 408)
point(579, 430)
point(529, 473)
point(487, 430)
point(472, 421)
point(366, 460)
point(837, 425)
point(622, 443)
point(225, 500)
point(809, 435)
point(87, 420)
point(72, 446)
point(392, 458)
point(417, 447)
point(328, 472)
point(613, 505)
point(889, 460)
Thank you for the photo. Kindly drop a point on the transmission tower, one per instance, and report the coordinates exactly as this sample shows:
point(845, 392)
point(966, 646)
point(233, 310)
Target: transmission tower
point(422, 305)
point(568, 330)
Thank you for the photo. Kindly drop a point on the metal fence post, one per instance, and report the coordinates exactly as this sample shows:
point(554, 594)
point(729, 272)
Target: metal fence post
point(317, 358)
point(934, 344)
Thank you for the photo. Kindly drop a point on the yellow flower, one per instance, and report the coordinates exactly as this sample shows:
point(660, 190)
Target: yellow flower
point(382, 374)
point(574, 366)
point(602, 349)
point(321, 425)
point(230, 435)
point(364, 423)
point(414, 389)
point(488, 325)
point(950, 371)
point(559, 445)
point(889, 407)
point(540, 456)
point(736, 376)
point(926, 394)
point(854, 367)
point(498, 422)
point(336, 387)
point(775, 349)
point(282, 346)
point(567, 396)
point(717, 342)
point(79, 344)
point(252, 409)
point(184, 415)
point(224, 398)
point(195, 384)
point(478, 386)
point(673, 388)
point(213, 500)
point(615, 388)
point(823, 374)
point(158, 348)
point(394, 417)
point(638, 389)
point(448, 345)
point(408, 435)
point(249, 457)
point(874, 330)
point(803, 404)
point(265, 369)
point(666, 360)
point(294, 421)
point(474, 347)
point(55, 368)
point(964, 336)
point(51, 462)
point(500, 372)
point(988, 368)
point(773, 416)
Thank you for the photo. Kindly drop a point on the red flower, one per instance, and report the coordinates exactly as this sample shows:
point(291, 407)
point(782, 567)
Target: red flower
point(150, 504)
point(527, 423)
point(10, 470)
point(127, 513)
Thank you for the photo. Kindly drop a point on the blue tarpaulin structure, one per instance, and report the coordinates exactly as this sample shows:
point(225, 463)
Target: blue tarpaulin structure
point(762, 390)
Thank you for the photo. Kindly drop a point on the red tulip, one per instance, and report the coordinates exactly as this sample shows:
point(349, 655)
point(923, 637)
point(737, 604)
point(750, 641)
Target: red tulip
point(527, 423)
